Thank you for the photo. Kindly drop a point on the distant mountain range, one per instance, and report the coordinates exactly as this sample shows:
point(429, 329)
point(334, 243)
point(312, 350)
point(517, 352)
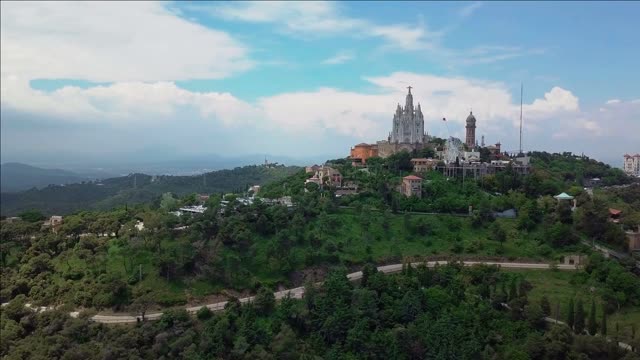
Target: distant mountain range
point(80, 193)
point(17, 177)
point(169, 164)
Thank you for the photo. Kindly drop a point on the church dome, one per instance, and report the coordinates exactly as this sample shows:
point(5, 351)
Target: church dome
point(471, 120)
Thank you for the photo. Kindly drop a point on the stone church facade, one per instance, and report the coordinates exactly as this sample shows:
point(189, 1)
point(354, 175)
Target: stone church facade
point(407, 131)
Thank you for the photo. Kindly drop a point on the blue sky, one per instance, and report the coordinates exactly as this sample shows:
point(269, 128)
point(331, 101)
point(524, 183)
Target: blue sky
point(313, 78)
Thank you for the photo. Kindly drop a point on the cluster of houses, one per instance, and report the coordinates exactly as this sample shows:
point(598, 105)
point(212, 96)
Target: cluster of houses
point(633, 236)
point(324, 175)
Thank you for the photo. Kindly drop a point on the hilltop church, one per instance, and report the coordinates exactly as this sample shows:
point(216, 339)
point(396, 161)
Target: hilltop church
point(407, 131)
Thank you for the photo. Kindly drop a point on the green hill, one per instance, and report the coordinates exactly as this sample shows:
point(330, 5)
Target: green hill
point(17, 177)
point(135, 189)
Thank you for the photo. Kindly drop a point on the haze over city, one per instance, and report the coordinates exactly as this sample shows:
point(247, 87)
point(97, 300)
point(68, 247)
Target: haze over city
point(109, 82)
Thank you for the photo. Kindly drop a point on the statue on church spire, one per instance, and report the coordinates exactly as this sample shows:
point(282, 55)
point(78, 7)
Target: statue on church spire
point(409, 103)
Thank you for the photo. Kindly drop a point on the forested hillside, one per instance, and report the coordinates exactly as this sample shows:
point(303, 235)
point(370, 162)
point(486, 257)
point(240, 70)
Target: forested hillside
point(135, 189)
point(449, 312)
point(100, 260)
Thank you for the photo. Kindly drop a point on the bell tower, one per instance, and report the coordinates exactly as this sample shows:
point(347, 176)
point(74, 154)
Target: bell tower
point(471, 131)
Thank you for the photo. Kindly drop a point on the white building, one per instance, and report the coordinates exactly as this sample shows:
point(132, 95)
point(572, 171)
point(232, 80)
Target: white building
point(198, 209)
point(632, 164)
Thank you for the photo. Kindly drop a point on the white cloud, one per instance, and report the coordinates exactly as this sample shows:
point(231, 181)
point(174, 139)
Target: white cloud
point(591, 126)
point(470, 9)
point(613, 101)
point(112, 41)
point(320, 18)
point(339, 58)
point(330, 119)
point(491, 54)
point(124, 102)
point(347, 113)
point(556, 100)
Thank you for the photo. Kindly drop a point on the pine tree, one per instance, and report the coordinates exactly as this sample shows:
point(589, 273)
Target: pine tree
point(603, 325)
point(592, 326)
point(570, 314)
point(579, 319)
point(513, 292)
point(545, 306)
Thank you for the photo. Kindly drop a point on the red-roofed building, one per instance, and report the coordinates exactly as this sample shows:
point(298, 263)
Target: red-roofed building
point(411, 186)
point(614, 215)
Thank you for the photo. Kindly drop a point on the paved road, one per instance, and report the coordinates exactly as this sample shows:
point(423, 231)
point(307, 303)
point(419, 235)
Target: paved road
point(299, 291)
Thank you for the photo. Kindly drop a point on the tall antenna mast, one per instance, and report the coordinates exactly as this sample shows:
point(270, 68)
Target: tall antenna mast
point(521, 91)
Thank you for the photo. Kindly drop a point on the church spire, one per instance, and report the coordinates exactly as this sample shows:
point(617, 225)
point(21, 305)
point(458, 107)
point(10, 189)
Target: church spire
point(409, 103)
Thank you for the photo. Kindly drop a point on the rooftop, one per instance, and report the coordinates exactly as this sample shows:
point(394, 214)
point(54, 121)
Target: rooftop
point(563, 196)
point(412, 177)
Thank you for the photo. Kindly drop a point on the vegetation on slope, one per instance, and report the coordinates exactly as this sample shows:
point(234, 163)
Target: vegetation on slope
point(135, 189)
point(246, 248)
point(444, 313)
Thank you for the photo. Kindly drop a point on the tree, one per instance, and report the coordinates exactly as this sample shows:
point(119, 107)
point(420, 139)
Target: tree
point(264, 301)
point(144, 298)
point(204, 313)
point(563, 212)
point(592, 325)
point(168, 202)
point(31, 216)
point(545, 305)
point(570, 314)
point(513, 292)
point(534, 315)
point(580, 318)
point(498, 233)
point(603, 324)
point(284, 343)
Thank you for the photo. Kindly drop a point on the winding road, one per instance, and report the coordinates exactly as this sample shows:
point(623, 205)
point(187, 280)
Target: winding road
point(298, 292)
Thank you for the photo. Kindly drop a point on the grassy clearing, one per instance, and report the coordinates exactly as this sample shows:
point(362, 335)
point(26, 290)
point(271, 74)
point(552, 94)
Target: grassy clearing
point(559, 289)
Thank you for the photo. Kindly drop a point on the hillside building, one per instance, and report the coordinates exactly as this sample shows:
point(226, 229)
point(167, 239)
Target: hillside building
point(632, 164)
point(411, 186)
point(326, 175)
point(633, 238)
point(423, 164)
point(361, 152)
point(53, 223)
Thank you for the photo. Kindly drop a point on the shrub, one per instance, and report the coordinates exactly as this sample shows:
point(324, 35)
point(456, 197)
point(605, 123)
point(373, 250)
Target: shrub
point(204, 313)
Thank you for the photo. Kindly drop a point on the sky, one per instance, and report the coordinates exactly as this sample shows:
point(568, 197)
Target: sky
point(108, 81)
